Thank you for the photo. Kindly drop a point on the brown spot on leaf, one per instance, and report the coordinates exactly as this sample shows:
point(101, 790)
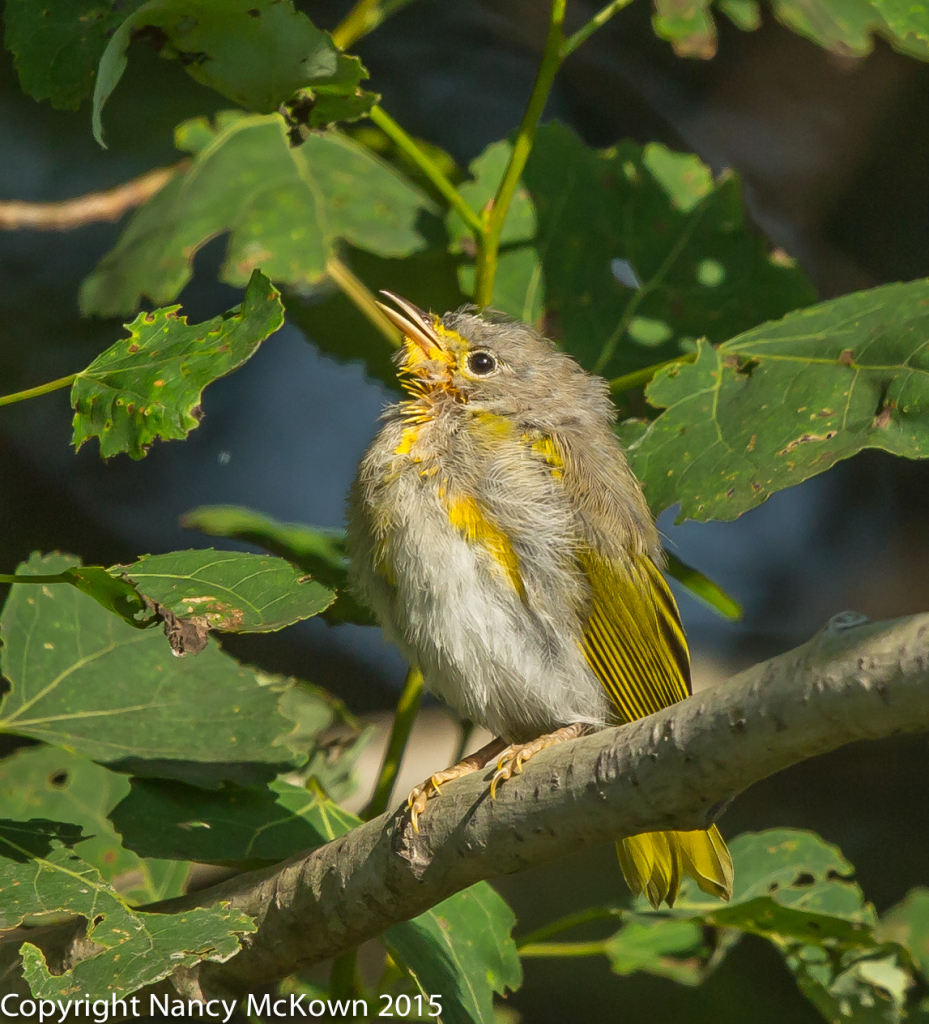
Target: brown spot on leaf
point(159, 384)
point(807, 437)
point(847, 358)
point(217, 614)
point(883, 419)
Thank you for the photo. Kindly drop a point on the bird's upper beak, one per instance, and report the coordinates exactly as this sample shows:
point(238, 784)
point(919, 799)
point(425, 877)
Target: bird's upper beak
point(417, 326)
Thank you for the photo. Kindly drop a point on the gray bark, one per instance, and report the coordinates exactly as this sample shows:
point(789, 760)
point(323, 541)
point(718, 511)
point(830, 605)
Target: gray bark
point(678, 769)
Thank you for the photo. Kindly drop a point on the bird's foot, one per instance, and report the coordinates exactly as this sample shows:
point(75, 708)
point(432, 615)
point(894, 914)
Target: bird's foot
point(517, 754)
point(419, 795)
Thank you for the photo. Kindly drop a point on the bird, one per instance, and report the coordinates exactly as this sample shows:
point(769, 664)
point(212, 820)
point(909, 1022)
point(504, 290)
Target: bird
point(504, 545)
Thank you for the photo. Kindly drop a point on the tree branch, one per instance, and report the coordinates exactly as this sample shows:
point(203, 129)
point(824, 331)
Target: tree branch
point(90, 209)
point(678, 769)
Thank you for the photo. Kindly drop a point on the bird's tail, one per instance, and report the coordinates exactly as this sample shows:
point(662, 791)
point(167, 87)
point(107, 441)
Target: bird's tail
point(655, 863)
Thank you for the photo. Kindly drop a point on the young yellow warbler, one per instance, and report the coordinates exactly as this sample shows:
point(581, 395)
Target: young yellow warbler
point(505, 546)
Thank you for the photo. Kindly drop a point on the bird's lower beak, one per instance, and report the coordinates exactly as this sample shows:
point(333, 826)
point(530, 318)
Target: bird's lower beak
point(417, 325)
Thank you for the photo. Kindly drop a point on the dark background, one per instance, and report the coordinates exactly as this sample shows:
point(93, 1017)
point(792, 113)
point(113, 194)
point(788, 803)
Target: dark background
point(833, 155)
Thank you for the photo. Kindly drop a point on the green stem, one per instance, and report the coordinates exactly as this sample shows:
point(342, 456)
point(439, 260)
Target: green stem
point(639, 377)
point(407, 710)
point(564, 949)
point(597, 21)
point(464, 739)
point(42, 389)
point(570, 921)
point(363, 18)
point(486, 268)
point(407, 144)
point(358, 293)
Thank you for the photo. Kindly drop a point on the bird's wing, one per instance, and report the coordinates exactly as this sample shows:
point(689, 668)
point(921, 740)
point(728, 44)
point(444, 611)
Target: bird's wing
point(633, 638)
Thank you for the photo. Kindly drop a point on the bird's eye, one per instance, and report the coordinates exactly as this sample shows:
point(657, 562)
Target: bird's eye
point(481, 363)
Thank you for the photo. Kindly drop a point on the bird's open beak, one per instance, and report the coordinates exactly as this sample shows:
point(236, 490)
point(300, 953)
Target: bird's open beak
point(417, 325)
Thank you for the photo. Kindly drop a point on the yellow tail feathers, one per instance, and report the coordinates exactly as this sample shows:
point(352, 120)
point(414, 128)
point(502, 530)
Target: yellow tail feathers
point(655, 863)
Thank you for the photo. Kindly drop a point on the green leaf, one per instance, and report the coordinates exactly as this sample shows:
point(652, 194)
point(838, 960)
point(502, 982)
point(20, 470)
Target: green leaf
point(258, 53)
point(788, 883)
point(137, 949)
point(907, 924)
point(788, 400)
point(83, 679)
point(50, 782)
point(233, 591)
point(847, 27)
point(243, 827)
point(319, 552)
point(795, 890)
point(150, 384)
point(642, 252)
point(687, 25)
point(58, 43)
point(703, 588)
point(461, 949)
point(666, 947)
point(905, 18)
point(286, 208)
point(860, 988)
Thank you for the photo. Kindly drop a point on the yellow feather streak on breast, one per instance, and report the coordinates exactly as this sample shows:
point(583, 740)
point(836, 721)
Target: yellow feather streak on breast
point(634, 640)
point(546, 447)
point(469, 518)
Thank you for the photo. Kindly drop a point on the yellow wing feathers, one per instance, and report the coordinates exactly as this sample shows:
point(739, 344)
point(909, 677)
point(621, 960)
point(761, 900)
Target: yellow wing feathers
point(634, 641)
point(635, 644)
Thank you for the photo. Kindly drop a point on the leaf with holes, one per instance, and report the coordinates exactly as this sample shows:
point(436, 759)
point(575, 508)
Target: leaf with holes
point(258, 53)
point(286, 209)
point(642, 252)
point(51, 782)
point(133, 949)
point(233, 591)
point(83, 679)
point(150, 384)
point(788, 400)
point(789, 884)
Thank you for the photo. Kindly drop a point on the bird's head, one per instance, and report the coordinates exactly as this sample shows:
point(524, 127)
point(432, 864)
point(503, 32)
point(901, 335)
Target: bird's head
point(491, 363)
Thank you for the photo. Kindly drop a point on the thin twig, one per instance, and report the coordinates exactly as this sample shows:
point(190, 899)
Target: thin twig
point(588, 28)
point(488, 249)
point(93, 208)
point(407, 710)
point(358, 293)
point(408, 145)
